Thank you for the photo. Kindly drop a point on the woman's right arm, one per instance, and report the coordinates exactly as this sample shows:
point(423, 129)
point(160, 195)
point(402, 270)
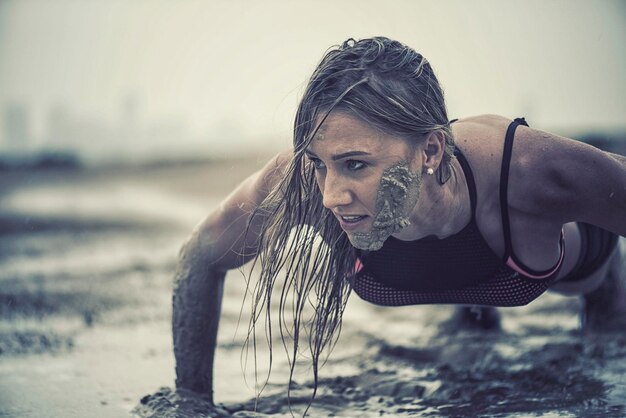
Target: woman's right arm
point(218, 244)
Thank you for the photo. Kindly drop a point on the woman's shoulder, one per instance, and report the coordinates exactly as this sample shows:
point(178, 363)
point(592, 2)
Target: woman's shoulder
point(485, 119)
point(254, 190)
point(273, 172)
point(568, 179)
point(550, 176)
point(480, 136)
point(481, 140)
point(535, 155)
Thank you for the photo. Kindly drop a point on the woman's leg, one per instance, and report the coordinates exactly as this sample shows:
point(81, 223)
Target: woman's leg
point(604, 308)
point(477, 317)
point(585, 285)
point(596, 254)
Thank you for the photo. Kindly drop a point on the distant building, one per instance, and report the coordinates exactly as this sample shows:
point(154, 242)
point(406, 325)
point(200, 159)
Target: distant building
point(129, 120)
point(16, 128)
point(59, 124)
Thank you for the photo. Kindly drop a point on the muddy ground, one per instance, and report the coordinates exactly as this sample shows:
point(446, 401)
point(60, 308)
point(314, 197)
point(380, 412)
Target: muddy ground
point(86, 263)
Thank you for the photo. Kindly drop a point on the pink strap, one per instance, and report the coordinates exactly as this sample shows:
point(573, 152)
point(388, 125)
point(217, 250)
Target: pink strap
point(358, 266)
point(521, 270)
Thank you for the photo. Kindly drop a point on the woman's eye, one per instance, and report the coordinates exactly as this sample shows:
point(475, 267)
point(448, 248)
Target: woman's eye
point(355, 165)
point(317, 163)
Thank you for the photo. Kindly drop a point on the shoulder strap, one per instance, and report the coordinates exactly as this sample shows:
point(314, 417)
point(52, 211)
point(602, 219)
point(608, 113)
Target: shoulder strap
point(469, 178)
point(504, 181)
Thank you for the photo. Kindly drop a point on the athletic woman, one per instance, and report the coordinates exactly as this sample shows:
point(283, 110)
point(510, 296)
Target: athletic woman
point(384, 195)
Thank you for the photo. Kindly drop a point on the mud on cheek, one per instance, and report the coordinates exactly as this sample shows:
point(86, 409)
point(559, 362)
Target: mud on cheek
point(397, 195)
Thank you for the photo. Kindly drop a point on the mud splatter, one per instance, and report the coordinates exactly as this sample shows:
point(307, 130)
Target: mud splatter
point(179, 403)
point(397, 195)
point(33, 342)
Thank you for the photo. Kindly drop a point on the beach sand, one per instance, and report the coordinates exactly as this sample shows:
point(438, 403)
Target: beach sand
point(87, 259)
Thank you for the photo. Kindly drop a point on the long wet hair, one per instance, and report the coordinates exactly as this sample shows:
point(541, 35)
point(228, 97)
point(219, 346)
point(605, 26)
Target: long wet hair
point(302, 247)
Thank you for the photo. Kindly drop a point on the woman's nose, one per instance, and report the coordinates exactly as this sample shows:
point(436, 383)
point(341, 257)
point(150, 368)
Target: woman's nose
point(335, 193)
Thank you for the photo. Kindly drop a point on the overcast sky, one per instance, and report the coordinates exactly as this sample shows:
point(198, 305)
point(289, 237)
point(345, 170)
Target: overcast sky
point(242, 64)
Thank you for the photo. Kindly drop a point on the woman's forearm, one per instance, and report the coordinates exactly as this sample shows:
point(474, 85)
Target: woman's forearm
point(196, 313)
point(225, 240)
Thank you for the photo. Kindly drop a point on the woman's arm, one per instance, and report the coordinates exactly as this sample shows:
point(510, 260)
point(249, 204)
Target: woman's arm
point(218, 244)
point(574, 181)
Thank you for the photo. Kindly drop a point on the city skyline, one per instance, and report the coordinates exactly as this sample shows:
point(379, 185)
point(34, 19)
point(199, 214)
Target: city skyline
point(93, 139)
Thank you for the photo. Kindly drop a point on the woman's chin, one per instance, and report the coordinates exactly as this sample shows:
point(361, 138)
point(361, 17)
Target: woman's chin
point(367, 241)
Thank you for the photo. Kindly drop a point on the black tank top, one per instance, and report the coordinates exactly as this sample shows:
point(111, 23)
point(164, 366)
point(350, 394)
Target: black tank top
point(431, 263)
point(460, 268)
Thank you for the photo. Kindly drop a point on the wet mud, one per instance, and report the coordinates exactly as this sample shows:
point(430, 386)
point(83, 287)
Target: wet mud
point(85, 311)
point(560, 378)
point(33, 342)
point(397, 194)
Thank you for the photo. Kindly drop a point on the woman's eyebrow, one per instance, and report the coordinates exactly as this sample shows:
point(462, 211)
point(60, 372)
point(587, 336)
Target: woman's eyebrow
point(339, 156)
point(349, 154)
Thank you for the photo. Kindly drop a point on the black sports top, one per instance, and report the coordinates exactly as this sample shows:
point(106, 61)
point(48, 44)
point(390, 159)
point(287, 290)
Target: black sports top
point(459, 269)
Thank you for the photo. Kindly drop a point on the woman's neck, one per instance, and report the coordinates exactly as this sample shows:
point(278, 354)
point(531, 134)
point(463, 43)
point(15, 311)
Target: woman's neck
point(442, 209)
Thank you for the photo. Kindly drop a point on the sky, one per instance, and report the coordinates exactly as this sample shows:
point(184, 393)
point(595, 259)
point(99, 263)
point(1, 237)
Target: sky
point(230, 73)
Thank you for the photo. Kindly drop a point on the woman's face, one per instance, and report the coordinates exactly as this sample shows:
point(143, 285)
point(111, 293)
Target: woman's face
point(370, 180)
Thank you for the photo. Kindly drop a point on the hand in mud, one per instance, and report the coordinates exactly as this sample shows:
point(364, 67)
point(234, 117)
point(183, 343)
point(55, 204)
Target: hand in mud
point(181, 403)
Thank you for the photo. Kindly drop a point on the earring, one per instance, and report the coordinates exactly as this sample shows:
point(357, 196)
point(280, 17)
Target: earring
point(430, 171)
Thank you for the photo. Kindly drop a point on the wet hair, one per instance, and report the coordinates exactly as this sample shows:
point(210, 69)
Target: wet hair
point(302, 246)
point(384, 83)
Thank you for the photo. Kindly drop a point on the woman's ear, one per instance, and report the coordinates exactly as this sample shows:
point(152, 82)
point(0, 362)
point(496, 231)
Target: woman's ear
point(433, 148)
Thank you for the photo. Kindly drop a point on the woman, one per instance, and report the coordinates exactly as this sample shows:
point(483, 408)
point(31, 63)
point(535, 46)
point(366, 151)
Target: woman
point(410, 207)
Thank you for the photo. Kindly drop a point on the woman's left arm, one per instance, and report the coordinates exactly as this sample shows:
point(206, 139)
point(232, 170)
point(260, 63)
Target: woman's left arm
point(576, 181)
point(602, 191)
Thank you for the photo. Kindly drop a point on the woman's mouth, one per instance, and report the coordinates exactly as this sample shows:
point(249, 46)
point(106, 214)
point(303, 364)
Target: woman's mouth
point(351, 222)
